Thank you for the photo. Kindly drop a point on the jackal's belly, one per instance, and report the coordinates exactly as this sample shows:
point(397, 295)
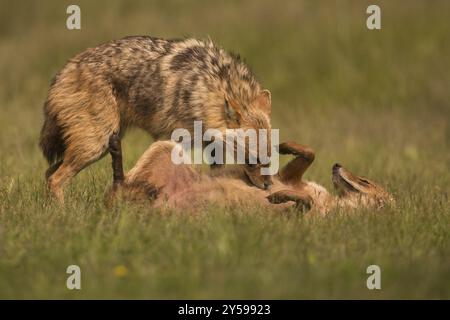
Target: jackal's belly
point(220, 192)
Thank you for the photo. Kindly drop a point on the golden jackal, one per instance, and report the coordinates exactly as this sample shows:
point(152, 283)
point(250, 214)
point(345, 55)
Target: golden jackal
point(155, 84)
point(155, 177)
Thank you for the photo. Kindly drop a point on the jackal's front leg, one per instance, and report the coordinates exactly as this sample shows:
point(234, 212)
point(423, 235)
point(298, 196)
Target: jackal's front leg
point(115, 149)
point(303, 200)
point(292, 173)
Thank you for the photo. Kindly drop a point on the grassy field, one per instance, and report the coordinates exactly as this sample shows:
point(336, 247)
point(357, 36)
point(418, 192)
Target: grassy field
point(376, 101)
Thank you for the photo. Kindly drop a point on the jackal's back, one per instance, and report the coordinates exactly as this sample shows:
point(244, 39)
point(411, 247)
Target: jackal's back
point(163, 84)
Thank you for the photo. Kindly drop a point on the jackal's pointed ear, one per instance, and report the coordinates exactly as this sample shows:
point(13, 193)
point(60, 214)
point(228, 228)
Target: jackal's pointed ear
point(264, 101)
point(232, 110)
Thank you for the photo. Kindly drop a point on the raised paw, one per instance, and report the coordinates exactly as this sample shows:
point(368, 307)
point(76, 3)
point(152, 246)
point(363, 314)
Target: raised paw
point(296, 149)
point(302, 201)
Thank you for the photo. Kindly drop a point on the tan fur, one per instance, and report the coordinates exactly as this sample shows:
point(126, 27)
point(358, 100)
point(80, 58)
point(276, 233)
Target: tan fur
point(185, 187)
point(155, 84)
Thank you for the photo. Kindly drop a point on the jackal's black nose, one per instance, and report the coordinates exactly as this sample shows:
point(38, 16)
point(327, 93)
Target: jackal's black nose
point(336, 168)
point(267, 185)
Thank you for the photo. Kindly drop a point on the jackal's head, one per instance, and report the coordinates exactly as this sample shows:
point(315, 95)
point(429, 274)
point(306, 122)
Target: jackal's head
point(253, 173)
point(358, 191)
point(254, 115)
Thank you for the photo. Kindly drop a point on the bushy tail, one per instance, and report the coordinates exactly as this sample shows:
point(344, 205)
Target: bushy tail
point(51, 140)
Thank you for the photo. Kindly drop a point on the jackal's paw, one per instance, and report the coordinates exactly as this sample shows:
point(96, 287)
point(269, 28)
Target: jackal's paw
point(296, 149)
point(302, 201)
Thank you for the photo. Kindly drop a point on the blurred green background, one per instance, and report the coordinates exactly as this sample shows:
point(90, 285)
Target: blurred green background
point(376, 101)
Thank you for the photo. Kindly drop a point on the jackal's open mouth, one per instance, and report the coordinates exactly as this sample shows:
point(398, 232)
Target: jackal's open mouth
point(253, 173)
point(335, 169)
point(345, 181)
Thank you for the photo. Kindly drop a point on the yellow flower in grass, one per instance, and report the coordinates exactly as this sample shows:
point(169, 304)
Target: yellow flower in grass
point(120, 271)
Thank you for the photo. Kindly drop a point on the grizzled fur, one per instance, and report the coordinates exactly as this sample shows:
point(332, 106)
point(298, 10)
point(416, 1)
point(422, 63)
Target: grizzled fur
point(155, 84)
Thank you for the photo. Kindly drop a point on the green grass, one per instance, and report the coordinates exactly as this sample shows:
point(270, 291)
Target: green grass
point(376, 101)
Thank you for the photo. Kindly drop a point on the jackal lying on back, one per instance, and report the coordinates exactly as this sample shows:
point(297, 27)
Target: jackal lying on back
point(156, 178)
point(155, 84)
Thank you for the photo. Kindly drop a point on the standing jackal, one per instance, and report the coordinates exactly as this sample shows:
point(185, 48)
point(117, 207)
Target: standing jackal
point(155, 84)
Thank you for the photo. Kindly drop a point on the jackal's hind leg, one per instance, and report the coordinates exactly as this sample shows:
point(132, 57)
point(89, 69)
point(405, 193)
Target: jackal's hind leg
point(51, 170)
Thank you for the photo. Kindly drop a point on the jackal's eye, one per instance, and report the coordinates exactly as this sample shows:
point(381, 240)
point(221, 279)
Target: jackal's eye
point(364, 181)
point(230, 112)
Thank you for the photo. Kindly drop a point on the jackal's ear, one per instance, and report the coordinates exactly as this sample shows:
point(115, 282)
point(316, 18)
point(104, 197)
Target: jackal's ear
point(232, 110)
point(264, 101)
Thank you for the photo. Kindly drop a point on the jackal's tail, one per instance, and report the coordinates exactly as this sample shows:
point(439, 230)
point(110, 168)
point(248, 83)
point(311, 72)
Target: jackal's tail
point(51, 140)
